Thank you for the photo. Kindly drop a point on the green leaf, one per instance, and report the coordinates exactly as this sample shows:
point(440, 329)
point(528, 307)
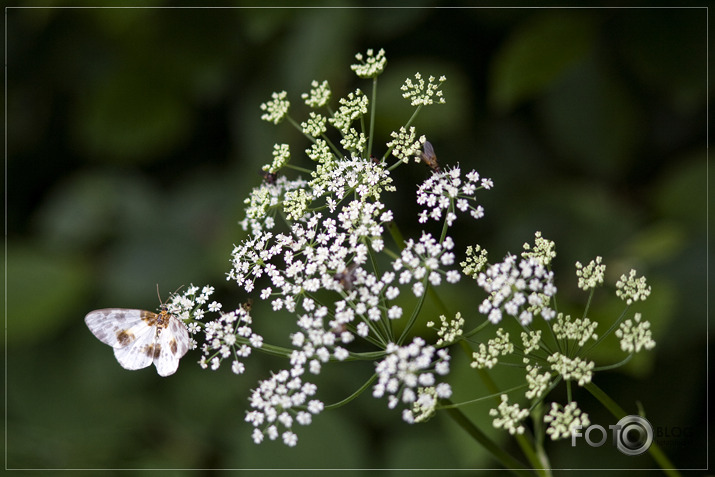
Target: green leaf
point(536, 55)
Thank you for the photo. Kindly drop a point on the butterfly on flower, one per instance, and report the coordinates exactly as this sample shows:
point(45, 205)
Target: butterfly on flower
point(141, 337)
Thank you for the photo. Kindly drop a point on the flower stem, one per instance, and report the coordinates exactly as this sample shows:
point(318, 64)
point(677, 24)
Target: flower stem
point(523, 442)
point(497, 452)
point(373, 107)
point(353, 395)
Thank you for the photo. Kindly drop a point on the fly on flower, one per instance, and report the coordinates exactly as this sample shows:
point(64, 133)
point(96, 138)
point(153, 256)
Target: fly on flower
point(429, 157)
point(347, 277)
point(141, 337)
point(269, 177)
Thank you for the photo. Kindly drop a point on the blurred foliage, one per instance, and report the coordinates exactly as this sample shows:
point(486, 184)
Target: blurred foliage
point(134, 134)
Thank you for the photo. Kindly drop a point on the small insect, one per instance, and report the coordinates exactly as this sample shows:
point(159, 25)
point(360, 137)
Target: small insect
point(347, 277)
point(429, 157)
point(141, 337)
point(269, 177)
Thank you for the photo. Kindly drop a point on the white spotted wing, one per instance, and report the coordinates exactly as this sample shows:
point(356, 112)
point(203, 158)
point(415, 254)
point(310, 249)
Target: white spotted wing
point(141, 337)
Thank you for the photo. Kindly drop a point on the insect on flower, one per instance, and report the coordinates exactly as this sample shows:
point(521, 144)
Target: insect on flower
point(347, 277)
point(269, 177)
point(141, 337)
point(429, 157)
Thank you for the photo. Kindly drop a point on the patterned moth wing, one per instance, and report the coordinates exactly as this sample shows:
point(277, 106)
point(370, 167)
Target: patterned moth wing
point(173, 343)
point(141, 337)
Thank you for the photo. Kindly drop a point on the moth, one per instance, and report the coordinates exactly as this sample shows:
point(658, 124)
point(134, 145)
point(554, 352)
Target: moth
point(428, 156)
point(140, 337)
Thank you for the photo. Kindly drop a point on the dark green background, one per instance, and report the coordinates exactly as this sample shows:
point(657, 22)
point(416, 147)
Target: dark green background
point(133, 136)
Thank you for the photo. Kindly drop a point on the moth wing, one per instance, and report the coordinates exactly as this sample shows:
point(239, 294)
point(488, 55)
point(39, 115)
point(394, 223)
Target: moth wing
point(173, 344)
point(116, 327)
point(140, 352)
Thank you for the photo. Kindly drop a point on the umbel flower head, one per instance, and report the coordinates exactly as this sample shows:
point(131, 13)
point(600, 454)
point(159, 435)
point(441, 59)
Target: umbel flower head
point(323, 248)
point(317, 249)
point(520, 289)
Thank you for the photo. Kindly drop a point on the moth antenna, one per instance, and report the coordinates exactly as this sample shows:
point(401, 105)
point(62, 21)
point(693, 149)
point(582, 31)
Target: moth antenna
point(177, 290)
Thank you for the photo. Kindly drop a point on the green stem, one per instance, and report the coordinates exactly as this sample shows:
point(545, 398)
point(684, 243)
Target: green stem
point(434, 296)
point(613, 366)
point(588, 303)
point(385, 321)
point(476, 330)
point(654, 450)
point(387, 153)
point(499, 454)
point(483, 398)
point(396, 234)
point(604, 335)
point(373, 107)
point(537, 416)
point(335, 149)
point(353, 395)
point(415, 313)
point(298, 168)
point(523, 442)
point(295, 124)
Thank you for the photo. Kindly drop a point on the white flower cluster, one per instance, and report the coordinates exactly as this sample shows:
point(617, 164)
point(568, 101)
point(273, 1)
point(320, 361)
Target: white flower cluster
point(579, 330)
point(635, 336)
point(563, 421)
point(188, 305)
point(422, 262)
point(444, 191)
point(318, 96)
point(229, 336)
point(372, 65)
point(320, 254)
point(449, 330)
point(509, 417)
point(520, 290)
point(281, 401)
point(572, 368)
point(537, 382)
point(277, 109)
point(314, 344)
point(591, 275)
point(426, 403)
point(405, 143)
point(488, 355)
point(406, 368)
point(421, 94)
point(281, 155)
point(530, 341)
point(542, 250)
point(631, 288)
point(355, 175)
point(267, 200)
point(475, 261)
point(352, 107)
point(317, 250)
point(315, 126)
